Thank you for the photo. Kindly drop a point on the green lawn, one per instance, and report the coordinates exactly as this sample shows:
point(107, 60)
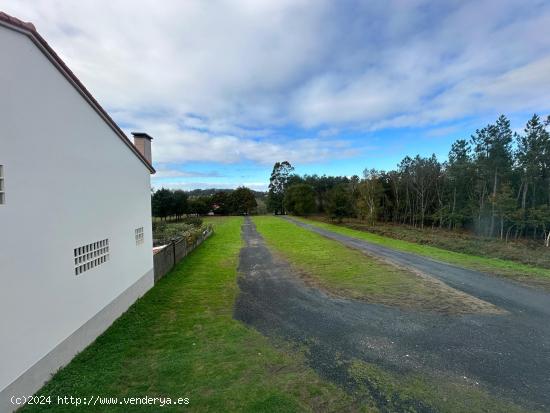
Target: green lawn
point(180, 340)
point(350, 273)
point(491, 265)
point(523, 250)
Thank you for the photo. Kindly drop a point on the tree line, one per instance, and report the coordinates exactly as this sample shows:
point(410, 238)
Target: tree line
point(178, 203)
point(496, 183)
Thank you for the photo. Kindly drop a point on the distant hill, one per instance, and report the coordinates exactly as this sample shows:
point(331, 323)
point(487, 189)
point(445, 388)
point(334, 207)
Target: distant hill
point(196, 193)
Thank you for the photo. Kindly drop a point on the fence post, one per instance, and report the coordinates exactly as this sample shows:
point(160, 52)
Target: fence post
point(174, 252)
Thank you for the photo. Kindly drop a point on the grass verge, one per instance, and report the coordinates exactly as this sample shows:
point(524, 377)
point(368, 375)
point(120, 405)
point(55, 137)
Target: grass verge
point(496, 266)
point(180, 340)
point(412, 392)
point(349, 273)
point(524, 251)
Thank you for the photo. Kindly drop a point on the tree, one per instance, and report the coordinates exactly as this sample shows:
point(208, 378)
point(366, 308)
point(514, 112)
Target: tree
point(299, 199)
point(533, 159)
point(221, 203)
point(277, 185)
point(542, 217)
point(505, 207)
point(162, 203)
point(422, 176)
point(368, 198)
point(493, 157)
point(460, 180)
point(322, 185)
point(261, 208)
point(243, 200)
point(201, 205)
point(179, 203)
point(340, 203)
point(489, 183)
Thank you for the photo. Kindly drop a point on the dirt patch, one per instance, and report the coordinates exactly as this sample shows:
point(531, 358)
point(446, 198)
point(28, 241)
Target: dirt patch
point(446, 299)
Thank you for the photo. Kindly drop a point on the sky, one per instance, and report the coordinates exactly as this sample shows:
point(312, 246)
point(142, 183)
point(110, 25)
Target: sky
point(228, 88)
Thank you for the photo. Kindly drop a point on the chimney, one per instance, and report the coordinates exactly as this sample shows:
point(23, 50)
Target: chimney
point(142, 142)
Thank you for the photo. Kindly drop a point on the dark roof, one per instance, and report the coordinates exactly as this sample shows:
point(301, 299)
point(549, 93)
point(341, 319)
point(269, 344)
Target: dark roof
point(29, 29)
point(142, 135)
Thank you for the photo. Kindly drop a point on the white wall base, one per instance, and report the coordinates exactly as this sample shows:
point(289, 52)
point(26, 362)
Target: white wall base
point(35, 377)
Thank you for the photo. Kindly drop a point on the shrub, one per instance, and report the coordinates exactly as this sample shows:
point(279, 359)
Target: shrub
point(163, 233)
point(195, 221)
point(166, 233)
point(158, 228)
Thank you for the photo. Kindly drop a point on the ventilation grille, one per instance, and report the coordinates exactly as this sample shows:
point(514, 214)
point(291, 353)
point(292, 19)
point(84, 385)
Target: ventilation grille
point(139, 235)
point(90, 256)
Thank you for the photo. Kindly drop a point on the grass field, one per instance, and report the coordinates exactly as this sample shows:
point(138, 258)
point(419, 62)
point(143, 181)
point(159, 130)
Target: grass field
point(180, 340)
point(496, 266)
point(350, 273)
point(525, 251)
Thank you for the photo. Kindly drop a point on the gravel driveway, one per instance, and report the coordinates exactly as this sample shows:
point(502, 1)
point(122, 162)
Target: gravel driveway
point(507, 354)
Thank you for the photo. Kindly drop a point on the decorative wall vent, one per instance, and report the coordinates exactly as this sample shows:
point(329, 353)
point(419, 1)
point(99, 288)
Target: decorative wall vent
point(139, 235)
point(90, 256)
point(2, 194)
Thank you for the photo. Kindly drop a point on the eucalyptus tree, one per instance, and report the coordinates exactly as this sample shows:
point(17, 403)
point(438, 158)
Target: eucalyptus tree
point(277, 185)
point(369, 195)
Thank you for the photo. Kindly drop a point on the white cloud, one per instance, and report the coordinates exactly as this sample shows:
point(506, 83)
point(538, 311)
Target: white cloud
point(177, 173)
point(214, 80)
point(188, 185)
point(185, 145)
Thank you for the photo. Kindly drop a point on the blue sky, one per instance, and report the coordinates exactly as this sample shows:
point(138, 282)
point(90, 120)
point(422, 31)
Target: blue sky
point(227, 88)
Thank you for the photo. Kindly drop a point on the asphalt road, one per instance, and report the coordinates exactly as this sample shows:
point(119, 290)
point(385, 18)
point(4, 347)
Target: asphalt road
point(504, 293)
point(509, 355)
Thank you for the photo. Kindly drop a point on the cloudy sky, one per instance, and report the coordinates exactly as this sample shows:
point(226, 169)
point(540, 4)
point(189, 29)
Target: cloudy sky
point(227, 88)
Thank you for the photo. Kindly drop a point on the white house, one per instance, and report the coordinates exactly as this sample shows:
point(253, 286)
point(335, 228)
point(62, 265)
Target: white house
point(75, 214)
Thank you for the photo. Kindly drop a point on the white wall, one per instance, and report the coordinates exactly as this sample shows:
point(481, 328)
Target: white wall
point(69, 181)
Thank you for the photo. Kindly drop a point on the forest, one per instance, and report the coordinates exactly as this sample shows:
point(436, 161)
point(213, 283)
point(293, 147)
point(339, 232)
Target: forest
point(496, 184)
point(166, 203)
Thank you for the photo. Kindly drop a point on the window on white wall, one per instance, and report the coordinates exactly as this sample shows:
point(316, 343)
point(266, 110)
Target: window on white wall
point(139, 235)
point(90, 256)
point(2, 193)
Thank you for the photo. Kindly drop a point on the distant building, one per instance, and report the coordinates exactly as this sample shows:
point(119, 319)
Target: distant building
point(75, 214)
